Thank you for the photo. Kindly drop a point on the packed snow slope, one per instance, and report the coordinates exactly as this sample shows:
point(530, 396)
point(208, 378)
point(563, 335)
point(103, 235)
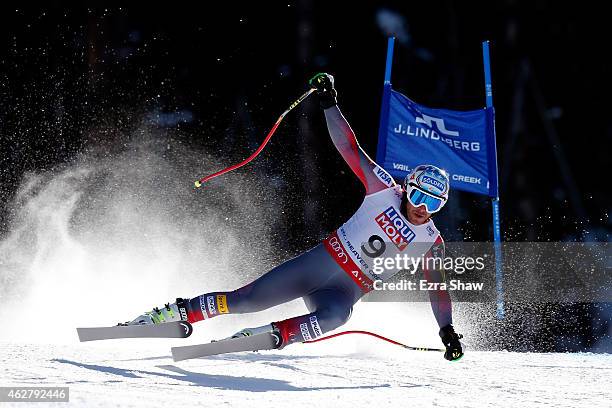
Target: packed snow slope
point(130, 375)
point(348, 371)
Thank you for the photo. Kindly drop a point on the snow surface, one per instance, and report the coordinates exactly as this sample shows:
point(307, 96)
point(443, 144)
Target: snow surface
point(132, 376)
point(349, 371)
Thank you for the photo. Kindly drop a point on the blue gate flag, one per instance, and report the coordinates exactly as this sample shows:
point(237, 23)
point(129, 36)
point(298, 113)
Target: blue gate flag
point(461, 142)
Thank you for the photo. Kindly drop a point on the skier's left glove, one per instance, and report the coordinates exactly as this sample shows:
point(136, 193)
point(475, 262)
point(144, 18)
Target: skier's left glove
point(324, 84)
point(454, 349)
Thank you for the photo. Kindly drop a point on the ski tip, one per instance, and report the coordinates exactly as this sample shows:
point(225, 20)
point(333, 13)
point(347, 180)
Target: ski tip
point(175, 355)
point(85, 334)
point(79, 334)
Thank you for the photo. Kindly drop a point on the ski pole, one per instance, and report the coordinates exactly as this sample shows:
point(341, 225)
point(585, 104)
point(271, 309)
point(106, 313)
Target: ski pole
point(199, 182)
point(378, 336)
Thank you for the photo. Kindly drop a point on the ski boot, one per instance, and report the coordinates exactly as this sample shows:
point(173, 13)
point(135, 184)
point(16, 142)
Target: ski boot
point(268, 328)
point(168, 313)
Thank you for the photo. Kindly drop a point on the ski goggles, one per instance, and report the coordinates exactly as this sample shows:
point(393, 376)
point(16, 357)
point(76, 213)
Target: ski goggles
point(418, 197)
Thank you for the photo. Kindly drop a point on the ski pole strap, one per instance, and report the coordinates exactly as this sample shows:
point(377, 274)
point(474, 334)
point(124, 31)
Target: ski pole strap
point(199, 182)
point(378, 336)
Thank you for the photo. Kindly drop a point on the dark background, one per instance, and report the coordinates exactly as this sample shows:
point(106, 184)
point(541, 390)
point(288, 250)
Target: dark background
point(221, 73)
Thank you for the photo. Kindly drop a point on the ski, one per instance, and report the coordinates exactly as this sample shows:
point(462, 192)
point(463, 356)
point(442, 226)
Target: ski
point(263, 341)
point(180, 329)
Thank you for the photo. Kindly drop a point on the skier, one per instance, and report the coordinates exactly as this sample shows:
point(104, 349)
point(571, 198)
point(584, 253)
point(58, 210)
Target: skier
point(332, 276)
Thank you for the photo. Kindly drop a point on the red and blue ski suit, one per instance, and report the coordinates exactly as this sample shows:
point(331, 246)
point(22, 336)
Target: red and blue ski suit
point(332, 277)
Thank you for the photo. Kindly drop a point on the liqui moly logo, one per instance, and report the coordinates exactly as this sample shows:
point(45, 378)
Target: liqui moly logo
point(395, 228)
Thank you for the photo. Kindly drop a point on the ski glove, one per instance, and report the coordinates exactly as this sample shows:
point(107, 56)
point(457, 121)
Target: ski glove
point(454, 349)
point(324, 84)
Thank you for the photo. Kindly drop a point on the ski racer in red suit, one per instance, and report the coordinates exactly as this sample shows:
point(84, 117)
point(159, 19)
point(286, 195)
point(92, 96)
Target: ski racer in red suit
point(333, 276)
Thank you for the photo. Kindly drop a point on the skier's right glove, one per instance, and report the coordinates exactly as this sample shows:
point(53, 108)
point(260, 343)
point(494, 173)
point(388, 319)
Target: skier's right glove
point(324, 84)
point(454, 349)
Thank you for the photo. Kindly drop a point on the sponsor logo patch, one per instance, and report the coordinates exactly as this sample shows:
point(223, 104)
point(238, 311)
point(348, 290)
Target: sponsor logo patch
point(210, 301)
point(305, 332)
point(222, 304)
point(336, 246)
point(429, 120)
point(203, 307)
point(316, 329)
point(383, 176)
point(183, 313)
point(430, 181)
point(395, 228)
